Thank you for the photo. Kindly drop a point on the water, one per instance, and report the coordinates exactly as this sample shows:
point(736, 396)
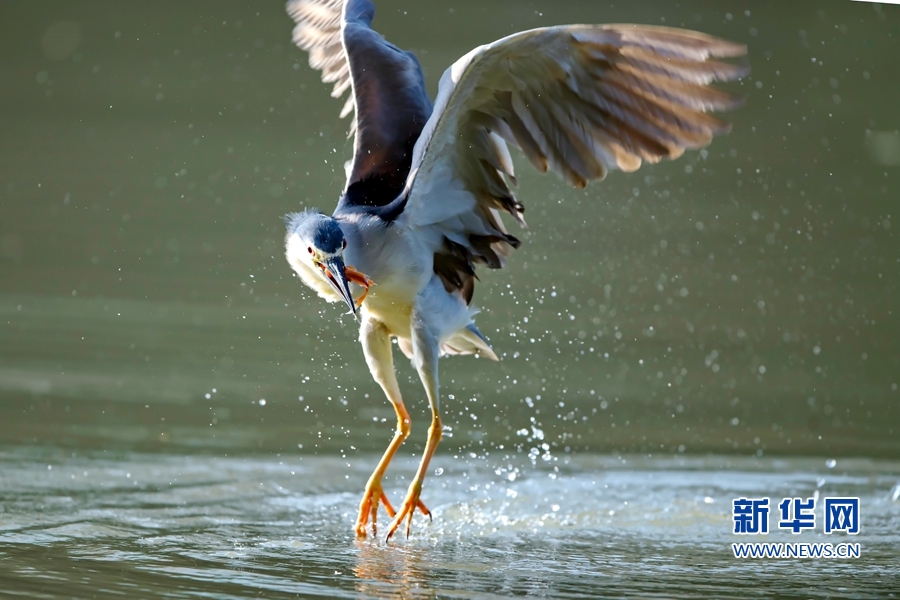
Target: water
point(582, 526)
point(726, 323)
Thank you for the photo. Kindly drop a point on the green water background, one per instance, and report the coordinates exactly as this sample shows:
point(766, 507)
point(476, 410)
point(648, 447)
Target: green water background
point(739, 300)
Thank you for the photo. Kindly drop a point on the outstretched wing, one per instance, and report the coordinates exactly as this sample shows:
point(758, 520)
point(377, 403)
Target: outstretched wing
point(577, 99)
point(387, 96)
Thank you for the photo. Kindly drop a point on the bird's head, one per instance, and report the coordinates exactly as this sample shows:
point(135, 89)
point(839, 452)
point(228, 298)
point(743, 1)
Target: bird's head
point(314, 246)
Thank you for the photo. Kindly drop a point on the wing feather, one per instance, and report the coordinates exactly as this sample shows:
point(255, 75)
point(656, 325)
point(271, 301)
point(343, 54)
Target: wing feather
point(387, 96)
point(579, 100)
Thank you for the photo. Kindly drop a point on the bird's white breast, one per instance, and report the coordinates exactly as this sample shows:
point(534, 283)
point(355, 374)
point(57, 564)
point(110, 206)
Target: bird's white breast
point(396, 263)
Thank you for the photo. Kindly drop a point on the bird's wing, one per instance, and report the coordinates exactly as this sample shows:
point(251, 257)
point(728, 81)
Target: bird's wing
point(388, 96)
point(577, 99)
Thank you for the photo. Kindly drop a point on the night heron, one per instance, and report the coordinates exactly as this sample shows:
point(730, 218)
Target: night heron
point(427, 184)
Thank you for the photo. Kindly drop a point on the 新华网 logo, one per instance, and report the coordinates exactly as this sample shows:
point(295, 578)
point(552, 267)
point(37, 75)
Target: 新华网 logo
point(751, 517)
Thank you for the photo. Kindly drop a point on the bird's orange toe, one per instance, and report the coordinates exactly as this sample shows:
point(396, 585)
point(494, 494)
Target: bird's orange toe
point(408, 509)
point(368, 508)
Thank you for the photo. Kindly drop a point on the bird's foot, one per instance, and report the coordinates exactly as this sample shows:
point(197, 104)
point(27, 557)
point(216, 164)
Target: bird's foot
point(360, 279)
point(368, 507)
point(408, 509)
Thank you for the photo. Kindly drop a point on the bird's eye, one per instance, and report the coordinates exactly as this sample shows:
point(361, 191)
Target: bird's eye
point(309, 249)
point(344, 245)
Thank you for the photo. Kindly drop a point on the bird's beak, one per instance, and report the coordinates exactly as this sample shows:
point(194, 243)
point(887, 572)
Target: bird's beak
point(335, 272)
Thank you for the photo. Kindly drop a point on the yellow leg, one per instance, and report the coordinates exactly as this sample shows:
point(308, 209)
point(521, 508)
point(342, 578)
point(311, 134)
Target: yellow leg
point(412, 501)
point(425, 357)
point(374, 494)
point(376, 345)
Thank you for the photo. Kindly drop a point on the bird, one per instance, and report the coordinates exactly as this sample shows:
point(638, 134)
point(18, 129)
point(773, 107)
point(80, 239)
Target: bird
point(428, 182)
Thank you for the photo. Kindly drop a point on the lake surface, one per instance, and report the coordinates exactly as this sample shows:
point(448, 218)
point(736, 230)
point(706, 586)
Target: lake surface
point(717, 326)
point(581, 526)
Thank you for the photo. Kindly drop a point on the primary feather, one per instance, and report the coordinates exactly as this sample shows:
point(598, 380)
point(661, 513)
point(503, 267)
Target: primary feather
point(387, 92)
point(579, 100)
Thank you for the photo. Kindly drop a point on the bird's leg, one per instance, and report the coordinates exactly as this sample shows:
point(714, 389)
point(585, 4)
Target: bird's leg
point(376, 345)
point(425, 357)
point(374, 493)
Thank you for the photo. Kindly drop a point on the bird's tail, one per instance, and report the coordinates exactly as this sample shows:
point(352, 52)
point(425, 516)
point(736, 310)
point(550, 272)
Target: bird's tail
point(468, 340)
